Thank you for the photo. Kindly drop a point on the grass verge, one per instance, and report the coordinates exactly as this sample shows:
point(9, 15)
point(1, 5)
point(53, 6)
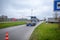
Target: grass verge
point(46, 32)
point(9, 24)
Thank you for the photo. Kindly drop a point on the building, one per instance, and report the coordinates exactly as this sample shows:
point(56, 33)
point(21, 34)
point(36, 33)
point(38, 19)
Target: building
point(53, 20)
point(3, 18)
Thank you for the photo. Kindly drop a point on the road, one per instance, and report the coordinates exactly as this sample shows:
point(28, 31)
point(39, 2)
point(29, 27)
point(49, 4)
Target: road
point(21, 32)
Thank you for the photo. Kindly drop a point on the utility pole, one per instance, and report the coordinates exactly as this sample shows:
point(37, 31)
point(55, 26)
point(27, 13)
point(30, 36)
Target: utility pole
point(31, 12)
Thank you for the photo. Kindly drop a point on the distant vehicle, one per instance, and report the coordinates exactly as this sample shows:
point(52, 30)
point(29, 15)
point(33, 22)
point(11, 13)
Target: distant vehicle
point(32, 22)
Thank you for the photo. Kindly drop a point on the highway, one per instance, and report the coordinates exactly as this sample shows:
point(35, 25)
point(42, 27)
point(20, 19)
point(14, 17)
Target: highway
point(21, 32)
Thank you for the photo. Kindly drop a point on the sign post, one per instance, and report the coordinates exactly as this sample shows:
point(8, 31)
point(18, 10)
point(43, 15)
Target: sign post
point(56, 7)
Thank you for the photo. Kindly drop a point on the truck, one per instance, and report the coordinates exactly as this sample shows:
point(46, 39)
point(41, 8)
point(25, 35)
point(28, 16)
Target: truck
point(32, 22)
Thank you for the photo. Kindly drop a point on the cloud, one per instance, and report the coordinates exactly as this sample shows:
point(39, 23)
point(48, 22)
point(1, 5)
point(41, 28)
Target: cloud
point(16, 8)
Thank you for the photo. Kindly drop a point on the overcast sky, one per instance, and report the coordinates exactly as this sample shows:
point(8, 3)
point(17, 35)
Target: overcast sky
point(19, 8)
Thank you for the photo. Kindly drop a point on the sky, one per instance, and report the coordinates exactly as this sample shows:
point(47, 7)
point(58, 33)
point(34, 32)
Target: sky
point(25, 8)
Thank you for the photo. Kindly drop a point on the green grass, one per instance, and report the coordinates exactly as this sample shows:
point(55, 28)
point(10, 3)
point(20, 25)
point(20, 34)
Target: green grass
point(46, 32)
point(9, 24)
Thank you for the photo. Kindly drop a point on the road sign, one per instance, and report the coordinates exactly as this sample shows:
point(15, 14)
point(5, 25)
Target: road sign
point(56, 5)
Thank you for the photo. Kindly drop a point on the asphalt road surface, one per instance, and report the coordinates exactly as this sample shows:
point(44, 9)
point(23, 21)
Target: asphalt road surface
point(21, 32)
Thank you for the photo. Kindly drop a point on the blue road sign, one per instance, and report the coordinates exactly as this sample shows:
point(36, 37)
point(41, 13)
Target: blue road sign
point(56, 5)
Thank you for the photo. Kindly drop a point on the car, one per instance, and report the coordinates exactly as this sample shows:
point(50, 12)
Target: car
point(31, 24)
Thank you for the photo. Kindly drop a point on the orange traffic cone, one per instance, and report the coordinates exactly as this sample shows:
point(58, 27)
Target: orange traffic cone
point(6, 36)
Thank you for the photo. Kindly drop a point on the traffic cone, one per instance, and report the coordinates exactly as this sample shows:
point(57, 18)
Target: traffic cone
point(6, 36)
